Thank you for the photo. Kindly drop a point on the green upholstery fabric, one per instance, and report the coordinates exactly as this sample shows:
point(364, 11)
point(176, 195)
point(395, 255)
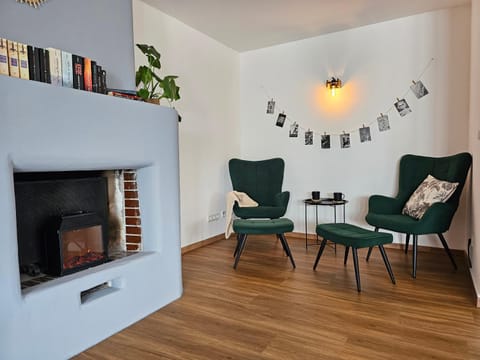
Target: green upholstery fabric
point(386, 212)
point(262, 226)
point(353, 236)
point(262, 181)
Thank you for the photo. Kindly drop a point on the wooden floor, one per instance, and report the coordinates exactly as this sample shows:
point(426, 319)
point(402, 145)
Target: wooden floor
point(267, 310)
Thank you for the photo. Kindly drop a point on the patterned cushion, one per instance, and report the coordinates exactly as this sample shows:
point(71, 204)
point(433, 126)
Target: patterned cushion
point(430, 191)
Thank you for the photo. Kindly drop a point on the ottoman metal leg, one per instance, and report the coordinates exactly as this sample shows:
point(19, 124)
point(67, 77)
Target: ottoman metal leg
point(243, 241)
point(283, 245)
point(320, 251)
point(387, 263)
point(346, 255)
point(370, 249)
point(357, 270)
point(287, 248)
point(238, 245)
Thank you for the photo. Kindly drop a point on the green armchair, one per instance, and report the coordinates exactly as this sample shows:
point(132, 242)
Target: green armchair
point(262, 181)
point(386, 212)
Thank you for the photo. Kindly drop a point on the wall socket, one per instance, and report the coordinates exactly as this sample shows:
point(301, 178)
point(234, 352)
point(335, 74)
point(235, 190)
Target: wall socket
point(213, 217)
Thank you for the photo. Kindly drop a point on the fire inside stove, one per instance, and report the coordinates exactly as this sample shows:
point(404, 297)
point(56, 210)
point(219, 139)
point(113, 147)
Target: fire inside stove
point(77, 243)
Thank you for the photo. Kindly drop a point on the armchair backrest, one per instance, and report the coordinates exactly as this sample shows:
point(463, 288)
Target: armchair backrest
point(261, 180)
point(414, 169)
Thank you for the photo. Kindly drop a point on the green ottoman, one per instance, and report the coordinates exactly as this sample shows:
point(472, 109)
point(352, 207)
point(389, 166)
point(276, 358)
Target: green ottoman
point(245, 227)
point(356, 238)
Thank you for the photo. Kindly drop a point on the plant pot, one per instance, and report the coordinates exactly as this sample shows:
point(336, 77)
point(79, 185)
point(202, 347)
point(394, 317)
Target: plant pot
point(153, 101)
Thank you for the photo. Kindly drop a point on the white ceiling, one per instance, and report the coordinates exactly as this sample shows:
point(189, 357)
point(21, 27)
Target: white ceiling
point(251, 24)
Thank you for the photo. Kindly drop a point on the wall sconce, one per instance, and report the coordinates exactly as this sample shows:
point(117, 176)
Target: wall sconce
point(333, 84)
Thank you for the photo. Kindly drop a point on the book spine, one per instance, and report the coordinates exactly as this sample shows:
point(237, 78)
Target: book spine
point(94, 77)
point(77, 62)
point(55, 64)
point(23, 61)
point(104, 81)
point(3, 57)
point(13, 65)
point(41, 63)
point(99, 79)
point(33, 64)
point(87, 74)
point(67, 69)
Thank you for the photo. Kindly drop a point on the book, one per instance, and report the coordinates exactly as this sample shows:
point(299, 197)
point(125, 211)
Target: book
point(124, 95)
point(3, 57)
point(87, 74)
point(77, 62)
point(55, 64)
point(33, 63)
point(67, 69)
point(23, 61)
point(99, 80)
point(44, 58)
point(104, 81)
point(94, 76)
point(13, 66)
point(123, 91)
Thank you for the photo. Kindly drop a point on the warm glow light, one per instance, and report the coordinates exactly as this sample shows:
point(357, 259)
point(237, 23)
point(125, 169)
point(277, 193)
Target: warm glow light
point(339, 106)
point(333, 84)
point(333, 90)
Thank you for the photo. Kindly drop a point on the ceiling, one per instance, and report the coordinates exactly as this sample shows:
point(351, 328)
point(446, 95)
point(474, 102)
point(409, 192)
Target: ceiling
point(252, 24)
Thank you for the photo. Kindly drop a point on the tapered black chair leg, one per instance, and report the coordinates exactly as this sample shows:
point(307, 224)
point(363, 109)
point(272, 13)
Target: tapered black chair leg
point(415, 246)
point(370, 249)
point(238, 245)
point(243, 241)
point(283, 239)
point(407, 240)
point(387, 263)
point(357, 270)
point(445, 245)
point(283, 245)
point(320, 251)
point(346, 255)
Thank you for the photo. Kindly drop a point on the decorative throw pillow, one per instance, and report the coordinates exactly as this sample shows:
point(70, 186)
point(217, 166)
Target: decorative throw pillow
point(430, 191)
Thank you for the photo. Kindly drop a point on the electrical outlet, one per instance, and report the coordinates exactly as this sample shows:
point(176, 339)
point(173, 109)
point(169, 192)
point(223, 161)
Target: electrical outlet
point(214, 217)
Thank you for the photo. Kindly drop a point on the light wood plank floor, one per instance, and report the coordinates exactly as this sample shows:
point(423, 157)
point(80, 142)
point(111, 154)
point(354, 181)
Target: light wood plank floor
point(267, 310)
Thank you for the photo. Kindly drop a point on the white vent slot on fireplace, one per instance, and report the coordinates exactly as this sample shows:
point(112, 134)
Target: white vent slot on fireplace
point(100, 290)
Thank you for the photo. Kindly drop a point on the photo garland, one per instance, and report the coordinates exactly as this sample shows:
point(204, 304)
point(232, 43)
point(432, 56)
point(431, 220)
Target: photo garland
point(383, 121)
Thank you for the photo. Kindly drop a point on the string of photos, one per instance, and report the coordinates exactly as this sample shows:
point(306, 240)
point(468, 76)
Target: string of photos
point(383, 120)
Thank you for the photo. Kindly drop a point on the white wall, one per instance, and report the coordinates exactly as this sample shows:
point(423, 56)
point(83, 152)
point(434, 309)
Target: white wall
point(377, 64)
point(475, 143)
point(208, 134)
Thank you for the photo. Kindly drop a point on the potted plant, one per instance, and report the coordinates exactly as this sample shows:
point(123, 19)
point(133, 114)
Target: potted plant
point(151, 87)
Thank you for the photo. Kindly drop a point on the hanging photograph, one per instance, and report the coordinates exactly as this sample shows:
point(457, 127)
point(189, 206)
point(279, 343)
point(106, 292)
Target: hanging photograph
point(365, 134)
point(281, 119)
point(419, 89)
point(344, 141)
point(309, 137)
point(325, 141)
point(383, 123)
point(402, 107)
point(293, 130)
point(271, 107)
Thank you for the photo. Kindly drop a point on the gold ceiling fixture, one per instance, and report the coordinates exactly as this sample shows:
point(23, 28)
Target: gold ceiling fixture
point(34, 3)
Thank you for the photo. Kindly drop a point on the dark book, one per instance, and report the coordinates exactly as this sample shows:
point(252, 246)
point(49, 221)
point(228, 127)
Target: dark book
point(87, 74)
point(33, 63)
point(123, 91)
point(77, 62)
point(104, 81)
point(99, 79)
point(94, 76)
point(44, 59)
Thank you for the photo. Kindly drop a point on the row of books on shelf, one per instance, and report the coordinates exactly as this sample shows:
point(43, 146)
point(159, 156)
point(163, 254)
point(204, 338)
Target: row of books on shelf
point(53, 66)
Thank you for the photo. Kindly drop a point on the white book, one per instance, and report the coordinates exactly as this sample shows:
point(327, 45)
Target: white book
point(55, 66)
point(67, 69)
point(13, 59)
point(3, 57)
point(23, 61)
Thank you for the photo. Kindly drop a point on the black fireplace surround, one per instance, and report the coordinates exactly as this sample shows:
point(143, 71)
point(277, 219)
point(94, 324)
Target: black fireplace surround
point(62, 221)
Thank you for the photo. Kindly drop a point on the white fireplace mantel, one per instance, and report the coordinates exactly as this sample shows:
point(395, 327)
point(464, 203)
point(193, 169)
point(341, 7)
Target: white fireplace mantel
point(48, 128)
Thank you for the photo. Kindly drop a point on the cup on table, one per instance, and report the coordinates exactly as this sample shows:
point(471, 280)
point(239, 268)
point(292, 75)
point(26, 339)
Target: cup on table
point(338, 196)
point(315, 195)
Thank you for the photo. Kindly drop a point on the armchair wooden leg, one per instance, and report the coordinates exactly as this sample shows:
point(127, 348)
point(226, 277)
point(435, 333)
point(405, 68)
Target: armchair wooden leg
point(320, 251)
point(407, 240)
point(444, 243)
point(243, 241)
point(346, 255)
point(415, 245)
point(370, 249)
point(357, 270)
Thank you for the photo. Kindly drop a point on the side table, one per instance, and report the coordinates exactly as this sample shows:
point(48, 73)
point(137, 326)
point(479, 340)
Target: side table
point(322, 202)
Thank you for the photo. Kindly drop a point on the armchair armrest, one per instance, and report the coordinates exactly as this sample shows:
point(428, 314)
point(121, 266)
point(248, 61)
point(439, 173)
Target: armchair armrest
point(438, 217)
point(281, 199)
point(380, 204)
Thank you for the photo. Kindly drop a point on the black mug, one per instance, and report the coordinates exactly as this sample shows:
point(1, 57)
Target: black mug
point(315, 195)
point(338, 196)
